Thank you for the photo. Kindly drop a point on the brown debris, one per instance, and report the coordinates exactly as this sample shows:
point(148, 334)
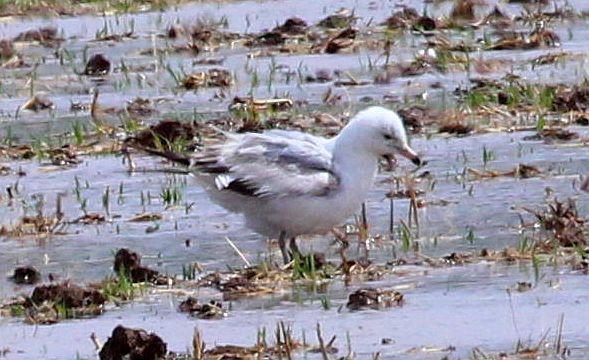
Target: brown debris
point(269, 38)
point(134, 344)
point(564, 221)
point(343, 18)
point(209, 78)
point(342, 40)
point(374, 298)
point(552, 134)
point(416, 116)
point(540, 38)
point(165, 134)
point(463, 10)
point(128, 263)
point(97, 65)
point(425, 23)
point(6, 49)
point(33, 225)
point(402, 19)
point(585, 185)
point(26, 275)
point(498, 18)
point(175, 31)
point(293, 26)
point(521, 171)
point(550, 58)
point(458, 128)
point(212, 310)
point(89, 219)
point(256, 105)
point(47, 36)
point(320, 76)
point(146, 217)
point(458, 258)
point(241, 286)
point(140, 107)
point(37, 103)
point(571, 99)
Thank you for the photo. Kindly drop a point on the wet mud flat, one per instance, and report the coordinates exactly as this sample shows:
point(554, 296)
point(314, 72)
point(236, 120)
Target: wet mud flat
point(483, 255)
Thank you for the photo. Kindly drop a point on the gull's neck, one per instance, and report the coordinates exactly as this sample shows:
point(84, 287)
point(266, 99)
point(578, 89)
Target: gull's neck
point(355, 166)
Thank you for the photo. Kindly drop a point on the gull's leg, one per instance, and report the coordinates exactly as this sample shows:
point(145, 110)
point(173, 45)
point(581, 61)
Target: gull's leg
point(294, 249)
point(282, 244)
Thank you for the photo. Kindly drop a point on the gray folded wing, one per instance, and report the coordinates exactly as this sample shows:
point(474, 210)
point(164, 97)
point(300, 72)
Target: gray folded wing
point(272, 164)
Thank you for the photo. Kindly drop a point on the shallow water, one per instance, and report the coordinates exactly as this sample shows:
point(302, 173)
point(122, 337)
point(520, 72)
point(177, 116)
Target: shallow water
point(471, 300)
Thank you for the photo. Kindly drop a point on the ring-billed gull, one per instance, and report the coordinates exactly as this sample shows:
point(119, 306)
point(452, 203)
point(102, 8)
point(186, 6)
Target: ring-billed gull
point(288, 183)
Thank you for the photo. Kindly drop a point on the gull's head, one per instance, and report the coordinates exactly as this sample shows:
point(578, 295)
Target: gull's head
point(381, 132)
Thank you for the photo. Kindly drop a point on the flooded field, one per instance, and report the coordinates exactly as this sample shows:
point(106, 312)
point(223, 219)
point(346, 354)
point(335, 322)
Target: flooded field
point(481, 253)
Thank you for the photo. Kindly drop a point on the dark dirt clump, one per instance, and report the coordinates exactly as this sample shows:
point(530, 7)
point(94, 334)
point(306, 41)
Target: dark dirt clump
point(97, 65)
point(128, 263)
point(293, 26)
point(26, 275)
point(68, 295)
point(135, 344)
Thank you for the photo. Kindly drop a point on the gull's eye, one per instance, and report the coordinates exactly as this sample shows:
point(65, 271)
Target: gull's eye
point(387, 137)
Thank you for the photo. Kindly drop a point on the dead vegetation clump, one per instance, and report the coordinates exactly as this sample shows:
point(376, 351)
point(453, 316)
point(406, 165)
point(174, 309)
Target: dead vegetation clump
point(38, 225)
point(498, 18)
point(282, 347)
point(456, 128)
point(343, 18)
point(402, 19)
point(244, 285)
point(521, 171)
point(574, 98)
point(46, 36)
point(463, 10)
point(342, 40)
point(552, 134)
point(38, 102)
point(211, 310)
point(293, 26)
point(210, 78)
point(563, 220)
point(165, 135)
point(417, 116)
point(374, 299)
point(538, 38)
point(140, 107)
